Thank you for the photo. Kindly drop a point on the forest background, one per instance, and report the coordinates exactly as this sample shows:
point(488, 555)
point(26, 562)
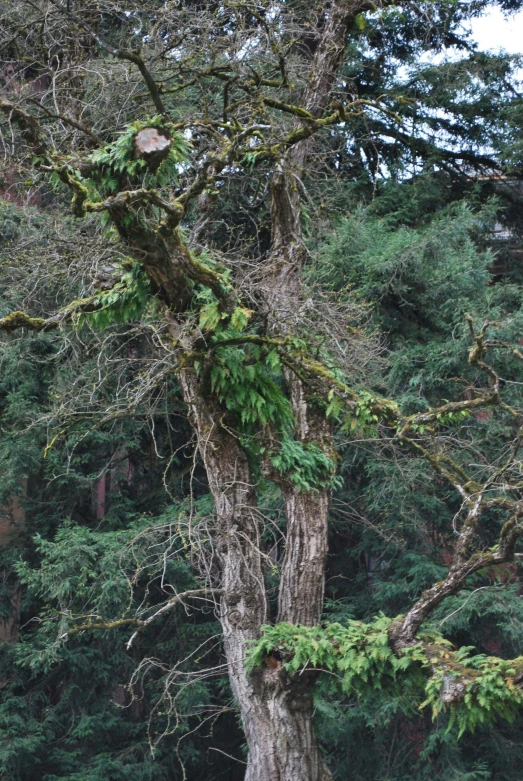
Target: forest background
point(329, 262)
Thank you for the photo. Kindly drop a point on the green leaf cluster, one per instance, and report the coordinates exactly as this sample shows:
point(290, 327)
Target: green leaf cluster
point(362, 660)
point(305, 464)
point(358, 653)
point(490, 690)
point(248, 382)
point(127, 300)
point(119, 158)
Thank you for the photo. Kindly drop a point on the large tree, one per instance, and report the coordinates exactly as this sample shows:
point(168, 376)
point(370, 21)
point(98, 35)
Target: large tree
point(202, 135)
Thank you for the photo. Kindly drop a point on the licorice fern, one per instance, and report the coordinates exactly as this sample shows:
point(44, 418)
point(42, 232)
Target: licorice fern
point(362, 660)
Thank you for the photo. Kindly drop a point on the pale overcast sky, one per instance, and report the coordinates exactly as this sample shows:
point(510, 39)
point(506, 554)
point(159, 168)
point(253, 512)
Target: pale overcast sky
point(493, 31)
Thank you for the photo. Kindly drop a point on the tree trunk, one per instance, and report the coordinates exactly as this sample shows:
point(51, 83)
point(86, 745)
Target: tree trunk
point(12, 523)
point(276, 711)
point(303, 572)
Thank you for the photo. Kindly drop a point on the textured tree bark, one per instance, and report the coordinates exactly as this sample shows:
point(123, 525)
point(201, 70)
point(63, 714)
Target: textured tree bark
point(303, 571)
point(303, 568)
point(276, 711)
point(302, 575)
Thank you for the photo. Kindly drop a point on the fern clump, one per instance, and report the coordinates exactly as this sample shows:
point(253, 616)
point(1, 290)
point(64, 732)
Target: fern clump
point(360, 654)
point(360, 660)
point(127, 300)
point(306, 465)
point(119, 158)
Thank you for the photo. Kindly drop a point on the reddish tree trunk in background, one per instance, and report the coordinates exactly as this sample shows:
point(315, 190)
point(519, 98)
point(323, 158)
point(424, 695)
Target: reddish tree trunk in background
point(12, 522)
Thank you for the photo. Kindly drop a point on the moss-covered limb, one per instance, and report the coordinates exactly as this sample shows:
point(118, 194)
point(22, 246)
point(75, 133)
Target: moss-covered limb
point(99, 624)
point(340, 113)
point(386, 409)
point(122, 202)
point(15, 320)
point(312, 370)
point(500, 344)
point(80, 200)
point(509, 536)
point(127, 200)
point(288, 108)
point(328, 384)
point(474, 688)
point(274, 151)
point(205, 177)
point(463, 565)
point(488, 398)
point(202, 274)
point(431, 416)
point(446, 467)
point(222, 71)
point(478, 351)
point(250, 339)
point(18, 319)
